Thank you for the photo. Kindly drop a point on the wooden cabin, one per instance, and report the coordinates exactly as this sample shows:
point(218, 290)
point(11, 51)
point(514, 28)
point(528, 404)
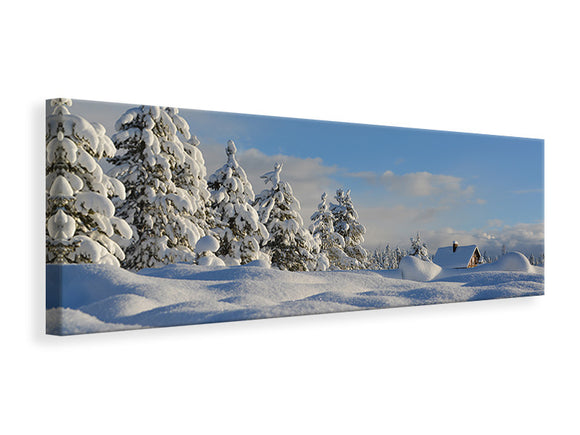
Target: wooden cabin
point(457, 257)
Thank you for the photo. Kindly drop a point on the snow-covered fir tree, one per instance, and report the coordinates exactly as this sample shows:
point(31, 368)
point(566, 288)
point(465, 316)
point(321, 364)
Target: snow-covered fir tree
point(381, 259)
point(392, 258)
point(237, 223)
point(398, 254)
point(191, 176)
point(387, 258)
point(331, 243)
point(290, 245)
point(419, 249)
point(374, 261)
point(163, 179)
point(347, 225)
point(80, 221)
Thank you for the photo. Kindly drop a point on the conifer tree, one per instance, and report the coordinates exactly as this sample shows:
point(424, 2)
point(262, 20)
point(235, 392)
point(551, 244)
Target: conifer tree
point(290, 245)
point(237, 224)
point(331, 243)
point(374, 261)
point(382, 259)
point(347, 225)
point(388, 257)
point(191, 176)
point(397, 256)
point(164, 191)
point(80, 219)
point(419, 249)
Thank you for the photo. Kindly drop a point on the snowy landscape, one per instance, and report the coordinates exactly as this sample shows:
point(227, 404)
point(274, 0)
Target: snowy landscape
point(98, 298)
point(140, 235)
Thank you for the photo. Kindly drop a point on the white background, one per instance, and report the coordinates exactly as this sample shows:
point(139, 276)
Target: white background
point(498, 67)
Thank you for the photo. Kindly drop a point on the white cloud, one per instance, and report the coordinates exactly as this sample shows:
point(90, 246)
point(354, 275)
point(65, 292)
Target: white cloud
point(524, 237)
point(419, 184)
point(394, 225)
point(423, 183)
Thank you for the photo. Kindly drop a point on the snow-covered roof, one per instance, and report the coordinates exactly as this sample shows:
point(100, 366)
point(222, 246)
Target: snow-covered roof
point(446, 258)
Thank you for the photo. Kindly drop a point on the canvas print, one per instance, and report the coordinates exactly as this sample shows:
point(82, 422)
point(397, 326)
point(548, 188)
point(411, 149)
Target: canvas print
point(159, 216)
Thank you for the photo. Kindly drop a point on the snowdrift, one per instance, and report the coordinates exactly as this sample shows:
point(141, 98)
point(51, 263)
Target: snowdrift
point(415, 269)
point(97, 298)
point(512, 261)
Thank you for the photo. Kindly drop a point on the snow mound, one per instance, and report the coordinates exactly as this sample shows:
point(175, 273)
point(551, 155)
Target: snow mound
point(513, 262)
point(207, 244)
point(210, 260)
point(259, 263)
point(415, 269)
point(66, 321)
point(119, 306)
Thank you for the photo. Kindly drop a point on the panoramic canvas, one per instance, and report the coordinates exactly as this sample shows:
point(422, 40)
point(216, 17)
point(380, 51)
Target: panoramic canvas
point(158, 216)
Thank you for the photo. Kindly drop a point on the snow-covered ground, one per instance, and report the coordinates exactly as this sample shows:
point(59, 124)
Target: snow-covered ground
point(97, 298)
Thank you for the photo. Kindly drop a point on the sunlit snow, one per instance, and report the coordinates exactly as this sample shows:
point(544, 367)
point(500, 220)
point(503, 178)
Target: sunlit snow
point(97, 298)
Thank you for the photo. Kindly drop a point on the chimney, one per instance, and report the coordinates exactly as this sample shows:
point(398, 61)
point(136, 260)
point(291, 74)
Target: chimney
point(455, 245)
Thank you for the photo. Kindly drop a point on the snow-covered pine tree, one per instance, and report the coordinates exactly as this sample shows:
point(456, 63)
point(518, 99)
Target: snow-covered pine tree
point(347, 225)
point(191, 176)
point(290, 245)
point(80, 221)
point(419, 249)
point(381, 259)
point(331, 243)
point(398, 254)
point(388, 257)
point(163, 187)
point(237, 223)
point(375, 260)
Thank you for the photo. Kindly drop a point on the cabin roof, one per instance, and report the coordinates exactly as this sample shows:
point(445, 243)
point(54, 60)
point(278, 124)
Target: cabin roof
point(446, 258)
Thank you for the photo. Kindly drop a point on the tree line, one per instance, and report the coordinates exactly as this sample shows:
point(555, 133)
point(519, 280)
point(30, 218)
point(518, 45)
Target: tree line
point(156, 207)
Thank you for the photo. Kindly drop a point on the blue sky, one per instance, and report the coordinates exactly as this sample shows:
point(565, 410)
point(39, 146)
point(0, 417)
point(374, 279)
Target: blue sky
point(506, 172)
point(475, 188)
